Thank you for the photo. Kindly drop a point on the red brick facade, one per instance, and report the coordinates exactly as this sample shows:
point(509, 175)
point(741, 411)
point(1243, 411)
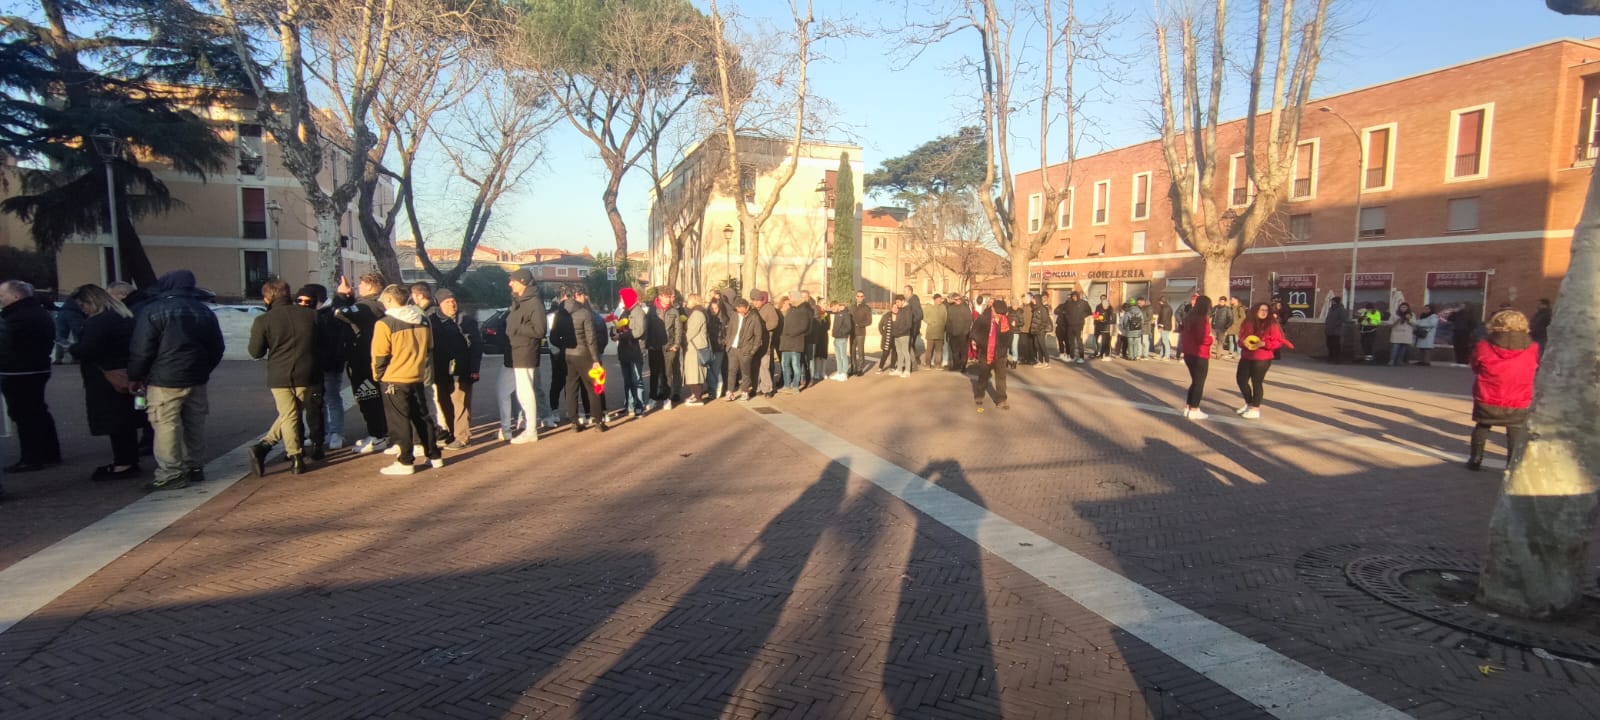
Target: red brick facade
point(1526, 183)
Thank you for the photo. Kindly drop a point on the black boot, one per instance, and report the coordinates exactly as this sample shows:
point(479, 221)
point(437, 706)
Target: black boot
point(319, 451)
point(1475, 459)
point(258, 457)
point(297, 464)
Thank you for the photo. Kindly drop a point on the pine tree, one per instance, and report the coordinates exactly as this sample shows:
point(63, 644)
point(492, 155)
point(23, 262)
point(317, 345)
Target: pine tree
point(841, 278)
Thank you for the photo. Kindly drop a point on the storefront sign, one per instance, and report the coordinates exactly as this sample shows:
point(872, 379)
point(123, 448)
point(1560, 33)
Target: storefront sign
point(1052, 274)
point(1371, 281)
point(1297, 282)
point(1114, 274)
point(1299, 293)
point(1241, 285)
point(1457, 280)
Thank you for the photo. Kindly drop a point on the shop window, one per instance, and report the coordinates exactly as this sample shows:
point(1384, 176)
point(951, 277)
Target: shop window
point(1463, 215)
point(1374, 221)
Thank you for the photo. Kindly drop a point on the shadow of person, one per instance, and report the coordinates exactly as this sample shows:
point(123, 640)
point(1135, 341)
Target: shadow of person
point(940, 650)
point(691, 661)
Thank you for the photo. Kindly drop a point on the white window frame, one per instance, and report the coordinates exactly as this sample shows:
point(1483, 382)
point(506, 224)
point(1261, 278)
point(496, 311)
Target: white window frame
point(1139, 243)
point(583, 272)
point(1035, 212)
point(1483, 148)
point(1388, 162)
point(1235, 166)
point(561, 271)
point(1133, 209)
point(1094, 219)
point(1064, 211)
point(1316, 157)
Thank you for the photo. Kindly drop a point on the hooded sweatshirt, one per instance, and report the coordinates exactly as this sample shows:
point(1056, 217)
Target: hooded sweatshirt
point(177, 340)
point(402, 347)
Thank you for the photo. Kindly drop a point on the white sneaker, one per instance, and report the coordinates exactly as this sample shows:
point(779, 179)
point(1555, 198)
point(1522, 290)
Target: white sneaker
point(392, 450)
point(1242, 410)
point(1251, 414)
point(1195, 414)
point(397, 468)
point(369, 445)
point(551, 420)
point(1186, 411)
point(1080, 361)
point(525, 437)
point(335, 441)
point(694, 403)
point(436, 463)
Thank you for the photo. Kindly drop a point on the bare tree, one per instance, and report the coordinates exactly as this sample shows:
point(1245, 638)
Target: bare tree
point(1540, 531)
point(951, 239)
point(679, 208)
point(1190, 114)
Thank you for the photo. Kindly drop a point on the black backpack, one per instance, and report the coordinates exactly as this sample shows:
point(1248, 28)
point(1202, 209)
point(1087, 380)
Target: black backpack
point(1135, 320)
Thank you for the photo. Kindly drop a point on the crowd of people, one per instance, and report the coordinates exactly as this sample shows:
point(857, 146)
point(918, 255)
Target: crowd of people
point(412, 358)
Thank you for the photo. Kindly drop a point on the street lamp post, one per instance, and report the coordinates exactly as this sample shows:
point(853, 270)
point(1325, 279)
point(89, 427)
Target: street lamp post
point(1355, 237)
point(108, 147)
point(727, 239)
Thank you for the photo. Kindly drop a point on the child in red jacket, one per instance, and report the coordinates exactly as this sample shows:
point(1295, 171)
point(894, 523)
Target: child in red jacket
point(1259, 338)
point(1504, 365)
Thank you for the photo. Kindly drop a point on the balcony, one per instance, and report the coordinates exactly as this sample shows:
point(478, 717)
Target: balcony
point(1240, 196)
point(1302, 187)
point(1466, 165)
point(1586, 154)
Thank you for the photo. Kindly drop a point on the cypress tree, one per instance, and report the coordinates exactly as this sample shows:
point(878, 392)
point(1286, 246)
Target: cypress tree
point(841, 278)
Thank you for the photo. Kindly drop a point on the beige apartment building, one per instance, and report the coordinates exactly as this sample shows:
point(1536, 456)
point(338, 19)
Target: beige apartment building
point(234, 229)
point(795, 241)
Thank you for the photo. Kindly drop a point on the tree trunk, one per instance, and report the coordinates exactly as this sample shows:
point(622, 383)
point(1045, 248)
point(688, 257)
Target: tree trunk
point(1019, 277)
point(328, 246)
point(1539, 533)
point(747, 276)
point(618, 227)
point(1215, 281)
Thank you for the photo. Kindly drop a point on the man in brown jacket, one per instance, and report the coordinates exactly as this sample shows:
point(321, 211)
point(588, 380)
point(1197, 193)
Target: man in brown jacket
point(402, 360)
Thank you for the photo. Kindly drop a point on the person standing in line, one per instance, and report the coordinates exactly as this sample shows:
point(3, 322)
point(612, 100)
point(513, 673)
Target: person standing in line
point(526, 328)
point(716, 356)
point(935, 321)
point(842, 330)
point(696, 352)
point(1504, 364)
point(1039, 328)
point(102, 354)
point(886, 355)
point(989, 332)
point(463, 358)
point(1239, 313)
point(25, 360)
point(1427, 327)
point(1463, 326)
point(1370, 320)
point(761, 305)
point(861, 321)
point(1194, 339)
point(821, 324)
point(1261, 338)
point(422, 297)
point(582, 358)
point(177, 343)
point(1105, 322)
point(905, 326)
point(286, 334)
point(1131, 325)
point(1539, 325)
point(560, 338)
point(746, 343)
point(1162, 330)
point(913, 309)
point(792, 343)
point(958, 330)
point(1402, 333)
point(361, 312)
point(402, 360)
point(1221, 322)
point(675, 322)
point(1147, 344)
point(1333, 331)
point(631, 330)
point(1074, 313)
point(334, 338)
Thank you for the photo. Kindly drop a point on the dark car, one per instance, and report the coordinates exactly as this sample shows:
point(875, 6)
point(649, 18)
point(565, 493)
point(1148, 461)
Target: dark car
point(494, 332)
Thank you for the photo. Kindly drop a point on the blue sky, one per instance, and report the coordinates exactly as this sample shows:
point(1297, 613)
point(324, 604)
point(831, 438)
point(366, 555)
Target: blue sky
point(889, 112)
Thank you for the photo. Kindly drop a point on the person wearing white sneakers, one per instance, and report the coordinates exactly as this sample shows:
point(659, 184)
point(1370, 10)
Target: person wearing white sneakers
point(1259, 336)
point(842, 329)
point(1194, 341)
point(402, 360)
point(525, 331)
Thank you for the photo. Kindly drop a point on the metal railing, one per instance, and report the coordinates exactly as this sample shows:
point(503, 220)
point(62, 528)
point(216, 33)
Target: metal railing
point(1466, 165)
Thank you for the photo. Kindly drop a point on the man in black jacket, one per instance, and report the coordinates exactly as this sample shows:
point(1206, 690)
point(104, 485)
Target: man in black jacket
point(334, 338)
point(1072, 314)
point(675, 323)
point(913, 311)
point(792, 344)
point(361, 313)
point(286, 334)
point(582, 358)
point(25, 356)
point(176, 344)
point(958, 327)
point(747, 342)
point(1039, 329)
point(861, 316)
point(525, 330)
point(458, 355)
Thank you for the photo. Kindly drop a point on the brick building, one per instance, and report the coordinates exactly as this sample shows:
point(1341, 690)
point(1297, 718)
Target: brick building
point(1470, 180)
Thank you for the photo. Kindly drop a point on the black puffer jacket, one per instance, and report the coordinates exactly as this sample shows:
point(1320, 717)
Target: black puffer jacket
point(335, 338)
point(585, 342)
point(177, 341)
point(30, 337)
point(796, 329)
point(1074, 312)
point(289, 332)
point(359, 314)
point(1039, 322)
point(959, 322)
point(526, 328)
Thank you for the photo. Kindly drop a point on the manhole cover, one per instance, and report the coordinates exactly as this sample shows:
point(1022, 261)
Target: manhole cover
point(1439, 585)
point(766, 410)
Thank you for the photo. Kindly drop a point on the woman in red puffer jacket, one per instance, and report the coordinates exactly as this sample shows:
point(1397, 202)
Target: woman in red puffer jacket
point(1194, 341)
point(1259, 338)
point(1505, 363)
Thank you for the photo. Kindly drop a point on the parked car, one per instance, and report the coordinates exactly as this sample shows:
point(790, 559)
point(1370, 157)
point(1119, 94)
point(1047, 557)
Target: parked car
point(494, 332)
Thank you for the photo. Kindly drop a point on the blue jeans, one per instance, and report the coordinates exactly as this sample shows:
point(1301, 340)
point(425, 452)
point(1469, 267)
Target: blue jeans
point(333, 402)
point(633, 384)
point(841, 356)
point(1397, 353)
point(714, 373)
point(794, 369)
point(1158, 344)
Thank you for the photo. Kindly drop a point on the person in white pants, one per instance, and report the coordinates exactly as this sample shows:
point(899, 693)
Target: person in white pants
point(525, 332)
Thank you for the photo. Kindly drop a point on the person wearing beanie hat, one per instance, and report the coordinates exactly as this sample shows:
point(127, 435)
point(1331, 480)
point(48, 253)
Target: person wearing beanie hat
point(333, 336)
point(526, 327)
point(461, 349)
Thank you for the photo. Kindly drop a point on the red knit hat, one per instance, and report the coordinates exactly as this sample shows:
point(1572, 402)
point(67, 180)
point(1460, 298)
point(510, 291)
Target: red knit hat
point(629, 297)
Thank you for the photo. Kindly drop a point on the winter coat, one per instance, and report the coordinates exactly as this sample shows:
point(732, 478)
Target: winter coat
point(861, 316)
point(177, 341)
point(1402, 330)
point(675, 322)
point(796, 329)
point(935, 319)
point(772, 319)
point(886, 328)
point(1126, 319)
point(456, 350)
point(1164, 316)
point(1221, 319)
point(819, 334)
point(1334, 324)
point(985, 325)
point(697, 347)
point(913, 312)
point(1504, 366)
point(1429, 323)
point(1195, 340)
point(1073, 313)
point(103, 345)
point(1039, 319)
point(1271, 339)
point(585, 344)
point(402, 347)
point(630, 338)
point(1105, 319)
point(286, 334)
point(747, 332)
point(844, 323)
point(526, 328)
point(335, 339)
point(958, 322)
point(30, 338)
point(716, 330)
point(1239, 312)
point(360, 314)
point(1539, 326)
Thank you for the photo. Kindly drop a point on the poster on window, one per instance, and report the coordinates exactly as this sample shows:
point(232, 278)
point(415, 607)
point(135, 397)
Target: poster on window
point(1457, 297)
point(1299, 293)
point(1371, 289)
point(1240, 287)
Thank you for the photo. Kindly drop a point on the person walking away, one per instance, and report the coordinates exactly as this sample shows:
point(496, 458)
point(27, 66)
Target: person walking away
point(958, 332)
point(697, 352)
point(746, 345)
point(25, 360)
point(402, 360)
point(1539, 325)
point(102, 354)
point(460, 348)
point(914, 314)
point(792, 343)
point(1039, 329)
point(176, 344)
point(1333, 331)
point(1105, 321)
point(905, 328)
point(583, 358)
point(1427, 328)
point(361, 312)
point(842, 330)
point(286, 334)
point(1194, 340)
point(1262, 336)
point(935, 322)
point(1074, 313)
point(989, 332)
point(1370, 320)
point(1504, 364)
point(334, 338)
point(1402, 333)
point(526, 328)
point(1464, 326)
point(861, 321)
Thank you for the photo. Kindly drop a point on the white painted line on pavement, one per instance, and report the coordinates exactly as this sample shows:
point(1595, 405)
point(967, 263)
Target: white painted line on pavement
point(40, 578)
point(1277, 684)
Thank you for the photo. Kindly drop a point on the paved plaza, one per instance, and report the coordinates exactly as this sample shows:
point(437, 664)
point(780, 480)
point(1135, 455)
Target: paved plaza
point(875, 548)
